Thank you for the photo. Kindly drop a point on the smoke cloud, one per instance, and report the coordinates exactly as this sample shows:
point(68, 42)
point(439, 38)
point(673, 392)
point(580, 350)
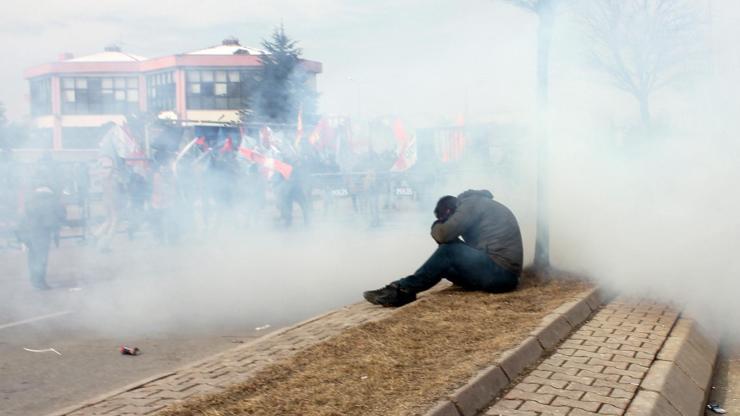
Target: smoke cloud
point(646, 215)
point(653, 215)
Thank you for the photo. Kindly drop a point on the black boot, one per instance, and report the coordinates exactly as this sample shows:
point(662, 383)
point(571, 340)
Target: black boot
point(391, 295)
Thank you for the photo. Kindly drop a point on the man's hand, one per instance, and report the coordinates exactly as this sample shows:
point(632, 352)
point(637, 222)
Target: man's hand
point(445, 209)
point(432, 227)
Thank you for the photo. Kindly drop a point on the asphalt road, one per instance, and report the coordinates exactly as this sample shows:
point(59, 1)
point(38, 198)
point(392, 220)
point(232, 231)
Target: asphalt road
point(88, 362)
point(176, 303)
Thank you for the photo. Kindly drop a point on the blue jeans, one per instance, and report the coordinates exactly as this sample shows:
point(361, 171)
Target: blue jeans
point(464, 266)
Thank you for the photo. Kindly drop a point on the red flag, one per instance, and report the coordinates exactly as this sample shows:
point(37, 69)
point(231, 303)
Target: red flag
point(406, 147)
point(453, 143)
point(400, 132)
point(201, 142)
point(228, 146)
point(454, 146)
point(316, 134)
point(267, 162)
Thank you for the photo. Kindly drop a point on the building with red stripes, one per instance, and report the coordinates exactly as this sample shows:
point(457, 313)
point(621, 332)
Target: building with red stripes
point(71, 99)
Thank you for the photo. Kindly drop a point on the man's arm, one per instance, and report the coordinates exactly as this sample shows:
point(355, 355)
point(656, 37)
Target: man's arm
point(450, 230)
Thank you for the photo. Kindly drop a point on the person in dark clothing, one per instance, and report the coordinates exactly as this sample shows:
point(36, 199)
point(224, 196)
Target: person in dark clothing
point(488, 257)
point(295, 190)
point(9, 188)
point(44, 215)
point(139, 193)
point(164, 201)
point(254, 191)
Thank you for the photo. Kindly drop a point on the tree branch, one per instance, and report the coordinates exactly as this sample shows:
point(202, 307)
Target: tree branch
point(639, 44)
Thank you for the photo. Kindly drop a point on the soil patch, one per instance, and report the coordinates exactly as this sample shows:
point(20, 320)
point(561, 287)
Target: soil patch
point(400, 365)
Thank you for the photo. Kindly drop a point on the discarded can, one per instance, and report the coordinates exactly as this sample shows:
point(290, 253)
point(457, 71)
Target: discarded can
point(129, 350)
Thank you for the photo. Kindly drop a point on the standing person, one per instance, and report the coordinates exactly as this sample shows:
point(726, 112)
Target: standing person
point(295, 190)
point(43, 216)
point(49, 172)
point(9, 189)
point(164, 199)
point(254, 191)
point(138, 194)
point(489, 258)
point(372, 188)
point(222, 174)
point(114, 176)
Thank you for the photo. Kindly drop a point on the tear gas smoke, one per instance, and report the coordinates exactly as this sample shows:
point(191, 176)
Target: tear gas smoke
point(645, 215)
point(654, 215)
point(234, 281)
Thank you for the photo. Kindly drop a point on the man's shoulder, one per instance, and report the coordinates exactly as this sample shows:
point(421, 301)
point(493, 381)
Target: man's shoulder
point(472, 194)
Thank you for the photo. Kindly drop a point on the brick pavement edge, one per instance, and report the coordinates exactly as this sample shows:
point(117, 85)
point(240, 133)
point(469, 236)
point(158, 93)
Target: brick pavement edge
point(484, 387)
point(678, 382)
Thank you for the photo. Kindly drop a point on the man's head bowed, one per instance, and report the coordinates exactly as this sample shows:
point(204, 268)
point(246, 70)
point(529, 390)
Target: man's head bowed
point(446, 206)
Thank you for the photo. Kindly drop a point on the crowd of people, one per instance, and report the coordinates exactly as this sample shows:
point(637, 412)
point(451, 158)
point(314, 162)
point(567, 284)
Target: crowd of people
point(174, 193)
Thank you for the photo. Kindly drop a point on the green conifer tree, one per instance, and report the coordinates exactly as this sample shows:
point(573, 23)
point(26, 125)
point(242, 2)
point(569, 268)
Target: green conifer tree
point(281, 86)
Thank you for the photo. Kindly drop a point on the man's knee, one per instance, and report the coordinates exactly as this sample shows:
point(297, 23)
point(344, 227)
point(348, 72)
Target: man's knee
point(449, 249)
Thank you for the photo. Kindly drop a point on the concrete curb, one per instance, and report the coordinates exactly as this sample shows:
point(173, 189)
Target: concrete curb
point(486, 386)
point(678, 382)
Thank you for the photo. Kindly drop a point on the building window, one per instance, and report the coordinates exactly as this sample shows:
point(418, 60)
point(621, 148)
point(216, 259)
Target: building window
point(41, 96)
point(161, 91)
point(216, 89)
point(100, 95)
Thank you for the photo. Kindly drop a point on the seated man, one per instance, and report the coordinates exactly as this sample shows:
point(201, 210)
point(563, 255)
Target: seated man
point(489, 258)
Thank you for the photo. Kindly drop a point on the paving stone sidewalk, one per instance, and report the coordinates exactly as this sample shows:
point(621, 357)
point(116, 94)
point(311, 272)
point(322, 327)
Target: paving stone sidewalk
point(598, 369)
point(220, 371)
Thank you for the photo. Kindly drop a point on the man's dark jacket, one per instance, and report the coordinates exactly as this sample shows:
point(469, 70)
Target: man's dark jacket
point(44, 215)
point(486, 225)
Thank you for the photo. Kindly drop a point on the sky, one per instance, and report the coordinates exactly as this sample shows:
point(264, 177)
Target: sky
point(430, 58)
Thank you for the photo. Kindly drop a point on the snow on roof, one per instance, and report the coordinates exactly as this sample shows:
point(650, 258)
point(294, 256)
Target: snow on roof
point(228, 50)
point(109, 56)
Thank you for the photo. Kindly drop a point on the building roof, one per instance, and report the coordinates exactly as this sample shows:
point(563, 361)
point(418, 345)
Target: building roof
point(109, 56)
point(111, 53)
point(230, 46)
point(113, 60)
point(228, 50)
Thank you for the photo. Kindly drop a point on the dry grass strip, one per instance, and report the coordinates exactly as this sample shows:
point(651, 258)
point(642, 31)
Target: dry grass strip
point(397, 366)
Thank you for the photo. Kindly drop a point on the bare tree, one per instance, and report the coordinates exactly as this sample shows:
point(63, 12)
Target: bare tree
point(641, 45)
point(545, 12)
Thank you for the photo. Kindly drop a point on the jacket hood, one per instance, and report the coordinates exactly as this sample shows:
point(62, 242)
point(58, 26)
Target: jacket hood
point(470, 193)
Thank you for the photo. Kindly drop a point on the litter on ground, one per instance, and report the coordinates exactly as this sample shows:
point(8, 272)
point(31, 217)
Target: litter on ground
point(44, 350)
point(715, 407)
